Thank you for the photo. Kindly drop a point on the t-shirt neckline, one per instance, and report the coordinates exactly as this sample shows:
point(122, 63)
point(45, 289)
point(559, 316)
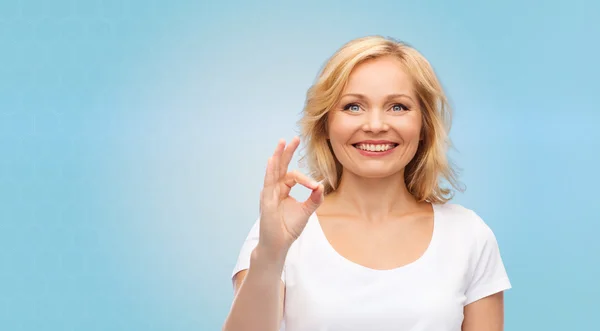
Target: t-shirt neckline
point(322, 238)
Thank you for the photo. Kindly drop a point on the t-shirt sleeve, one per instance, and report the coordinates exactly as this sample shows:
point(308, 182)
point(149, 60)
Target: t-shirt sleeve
point(488, 274)
point(243, 260)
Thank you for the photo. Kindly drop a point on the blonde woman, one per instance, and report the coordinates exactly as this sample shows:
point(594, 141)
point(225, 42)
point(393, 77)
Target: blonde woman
point(377, 245)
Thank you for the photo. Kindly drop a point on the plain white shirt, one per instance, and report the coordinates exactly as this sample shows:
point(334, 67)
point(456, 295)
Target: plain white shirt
point(327, 292)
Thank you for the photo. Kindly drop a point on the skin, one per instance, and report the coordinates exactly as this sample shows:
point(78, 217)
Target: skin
point(371, 218)
point(259, 291)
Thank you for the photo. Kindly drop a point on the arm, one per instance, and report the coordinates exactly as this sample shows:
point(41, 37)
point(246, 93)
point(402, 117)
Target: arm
point(486, 314)
point(259, 291)
point(484, 305)
point(259, 296)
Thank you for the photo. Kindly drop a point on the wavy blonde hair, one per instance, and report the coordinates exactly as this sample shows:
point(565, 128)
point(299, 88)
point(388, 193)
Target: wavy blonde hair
point(424, 173)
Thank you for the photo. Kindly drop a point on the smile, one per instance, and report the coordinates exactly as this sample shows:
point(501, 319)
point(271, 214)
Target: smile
point(375, 147)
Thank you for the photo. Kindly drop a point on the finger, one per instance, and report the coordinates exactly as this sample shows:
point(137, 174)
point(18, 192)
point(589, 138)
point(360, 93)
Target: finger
point(295, 177)
point(269, 178)
point(314, 200)
point(277, 158)
point(288, 153)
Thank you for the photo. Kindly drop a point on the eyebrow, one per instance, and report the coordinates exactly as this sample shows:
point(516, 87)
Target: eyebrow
point(391, 96)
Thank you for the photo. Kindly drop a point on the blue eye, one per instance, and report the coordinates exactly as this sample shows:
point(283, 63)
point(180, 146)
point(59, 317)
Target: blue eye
point(399, 107)
point(352, 107)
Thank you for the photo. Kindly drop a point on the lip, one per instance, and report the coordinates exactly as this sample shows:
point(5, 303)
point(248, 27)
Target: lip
point(375, 142)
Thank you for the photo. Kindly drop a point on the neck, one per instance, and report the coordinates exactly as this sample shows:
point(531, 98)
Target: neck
point(374, 199)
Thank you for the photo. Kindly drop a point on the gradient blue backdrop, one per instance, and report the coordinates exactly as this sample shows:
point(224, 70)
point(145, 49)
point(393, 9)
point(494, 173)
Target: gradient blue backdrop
point(134, 134)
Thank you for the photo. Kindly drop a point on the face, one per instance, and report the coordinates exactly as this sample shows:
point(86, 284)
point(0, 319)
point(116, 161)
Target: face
point(375, 127)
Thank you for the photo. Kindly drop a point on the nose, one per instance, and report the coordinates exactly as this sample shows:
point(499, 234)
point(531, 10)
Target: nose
point(375, 122)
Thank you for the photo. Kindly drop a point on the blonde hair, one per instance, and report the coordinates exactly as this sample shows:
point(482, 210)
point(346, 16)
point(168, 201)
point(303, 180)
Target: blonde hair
point(423, 173)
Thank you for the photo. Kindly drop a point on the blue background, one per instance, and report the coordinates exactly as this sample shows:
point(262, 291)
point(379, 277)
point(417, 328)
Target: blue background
point(134, 134)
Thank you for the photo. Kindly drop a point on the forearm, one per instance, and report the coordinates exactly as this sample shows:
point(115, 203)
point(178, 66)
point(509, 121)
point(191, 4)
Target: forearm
point(258, 302)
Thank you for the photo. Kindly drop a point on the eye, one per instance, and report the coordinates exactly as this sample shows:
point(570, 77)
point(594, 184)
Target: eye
point(399, 107)
point(352, 107)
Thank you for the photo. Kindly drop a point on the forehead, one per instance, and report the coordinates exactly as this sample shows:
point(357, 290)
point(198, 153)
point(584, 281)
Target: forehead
point(380, 77)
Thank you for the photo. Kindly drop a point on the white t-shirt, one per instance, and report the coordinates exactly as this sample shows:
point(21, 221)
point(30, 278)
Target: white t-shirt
point(327, 292)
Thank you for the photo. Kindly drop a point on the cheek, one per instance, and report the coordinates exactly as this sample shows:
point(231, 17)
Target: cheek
point(340, 128)
point(410, 129)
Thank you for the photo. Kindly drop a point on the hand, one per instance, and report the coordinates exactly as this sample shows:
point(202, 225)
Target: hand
point(282, 218)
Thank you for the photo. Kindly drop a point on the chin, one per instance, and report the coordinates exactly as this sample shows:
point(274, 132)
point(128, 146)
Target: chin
point(376, 172)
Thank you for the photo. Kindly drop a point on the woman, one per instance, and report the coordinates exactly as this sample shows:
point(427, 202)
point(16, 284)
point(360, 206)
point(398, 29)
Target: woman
point(376, 246)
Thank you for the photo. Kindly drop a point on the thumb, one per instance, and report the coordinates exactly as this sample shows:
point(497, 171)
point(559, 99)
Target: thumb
point(314, 200)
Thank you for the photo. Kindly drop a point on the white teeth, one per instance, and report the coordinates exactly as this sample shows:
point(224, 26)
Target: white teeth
point(375, 148)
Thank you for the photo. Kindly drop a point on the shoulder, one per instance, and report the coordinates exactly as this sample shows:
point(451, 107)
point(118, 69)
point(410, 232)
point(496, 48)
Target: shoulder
point(464, 222)
point(459, 215)
point(467, 238)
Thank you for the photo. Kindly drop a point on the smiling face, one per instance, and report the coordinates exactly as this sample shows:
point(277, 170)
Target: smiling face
point(375, 128)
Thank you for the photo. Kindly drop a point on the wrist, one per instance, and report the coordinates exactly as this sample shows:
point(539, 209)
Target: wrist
point(268, 259)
